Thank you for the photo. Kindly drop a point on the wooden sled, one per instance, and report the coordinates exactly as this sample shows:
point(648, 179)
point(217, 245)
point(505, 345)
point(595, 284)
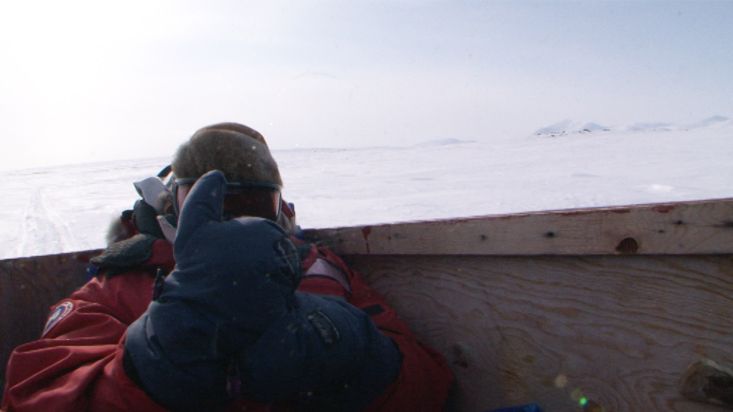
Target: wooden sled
point(591, 309)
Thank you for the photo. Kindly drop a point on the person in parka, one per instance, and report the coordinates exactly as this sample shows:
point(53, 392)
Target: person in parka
point(207, 300)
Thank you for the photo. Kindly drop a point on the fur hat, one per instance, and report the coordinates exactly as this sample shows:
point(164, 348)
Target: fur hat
point(240, 152)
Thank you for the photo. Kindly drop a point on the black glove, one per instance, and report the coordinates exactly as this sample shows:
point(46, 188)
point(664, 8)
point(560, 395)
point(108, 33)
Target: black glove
point(232, 280)
point(133, 251)
point(146, 219)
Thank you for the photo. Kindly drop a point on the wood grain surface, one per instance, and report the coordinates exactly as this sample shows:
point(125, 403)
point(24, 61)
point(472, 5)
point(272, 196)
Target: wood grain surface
point(620, 330)
point(28, 287)
point(611, 304)
point(701, 227)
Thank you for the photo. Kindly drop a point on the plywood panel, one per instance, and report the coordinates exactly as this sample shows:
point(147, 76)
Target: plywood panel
point(619, 330)
point(28, 286)
point(618, 318)
point(703, 227)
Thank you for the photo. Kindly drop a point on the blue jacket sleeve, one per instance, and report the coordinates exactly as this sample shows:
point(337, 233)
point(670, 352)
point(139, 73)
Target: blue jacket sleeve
point(232, 280)
point(325, 354)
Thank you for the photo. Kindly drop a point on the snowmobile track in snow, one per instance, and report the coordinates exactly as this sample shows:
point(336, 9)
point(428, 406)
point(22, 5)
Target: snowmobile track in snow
point(43, 230)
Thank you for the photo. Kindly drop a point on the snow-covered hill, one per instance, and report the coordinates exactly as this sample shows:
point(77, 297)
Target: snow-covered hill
point(714, 121)
point(572, 127)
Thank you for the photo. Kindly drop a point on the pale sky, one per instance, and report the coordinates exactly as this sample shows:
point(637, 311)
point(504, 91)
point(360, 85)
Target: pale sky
point(88, 81)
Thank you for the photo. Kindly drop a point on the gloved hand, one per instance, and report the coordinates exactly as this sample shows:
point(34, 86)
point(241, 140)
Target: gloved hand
point(324, 355)
point(133, 251)
point(244, 270)
point(145, 218)
point(232, 280)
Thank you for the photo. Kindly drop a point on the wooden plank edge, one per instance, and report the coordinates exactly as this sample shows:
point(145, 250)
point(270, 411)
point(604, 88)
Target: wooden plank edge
point(700, 227)
point(79, 256)
point(672, 228)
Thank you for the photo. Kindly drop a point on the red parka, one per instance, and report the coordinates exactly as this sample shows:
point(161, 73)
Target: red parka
point(78, 362)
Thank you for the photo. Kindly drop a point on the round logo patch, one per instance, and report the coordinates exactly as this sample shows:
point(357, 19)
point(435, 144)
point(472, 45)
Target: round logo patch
point(61, 311)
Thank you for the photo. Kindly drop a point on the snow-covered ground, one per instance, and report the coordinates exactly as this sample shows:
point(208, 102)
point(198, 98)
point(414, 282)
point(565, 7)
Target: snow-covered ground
point(566, 165)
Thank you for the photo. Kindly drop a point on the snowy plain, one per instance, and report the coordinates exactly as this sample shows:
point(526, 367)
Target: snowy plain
point(566, 165)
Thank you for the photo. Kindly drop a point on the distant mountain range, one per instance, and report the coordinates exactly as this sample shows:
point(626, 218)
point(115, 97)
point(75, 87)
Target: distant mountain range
point(570, 127)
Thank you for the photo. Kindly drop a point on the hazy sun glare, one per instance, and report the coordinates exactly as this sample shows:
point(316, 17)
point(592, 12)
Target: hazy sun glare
point(88, 80)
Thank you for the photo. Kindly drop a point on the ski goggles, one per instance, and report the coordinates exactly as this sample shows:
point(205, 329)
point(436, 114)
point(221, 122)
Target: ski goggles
point(241, 198)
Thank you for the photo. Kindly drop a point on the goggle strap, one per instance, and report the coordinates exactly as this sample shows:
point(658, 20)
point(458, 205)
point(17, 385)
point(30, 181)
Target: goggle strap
point(243, 184)
point(165, 171)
